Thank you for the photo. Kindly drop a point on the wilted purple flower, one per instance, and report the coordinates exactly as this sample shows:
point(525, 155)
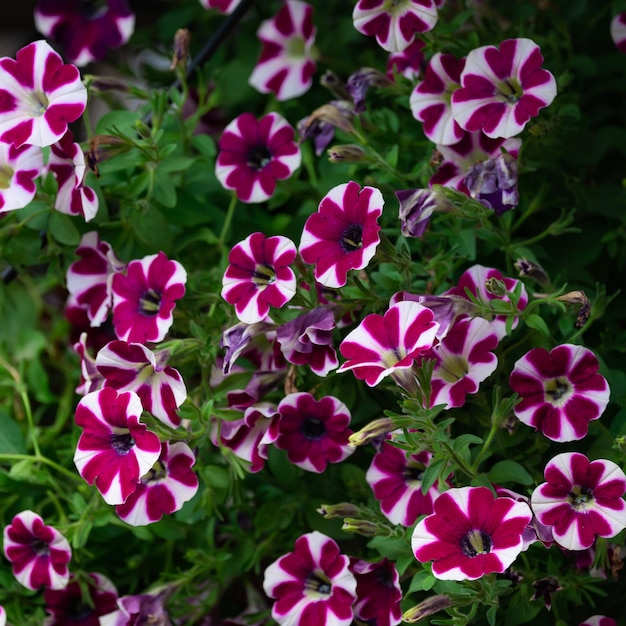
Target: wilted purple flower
point(237, 338)
point(140, 609)
point(417, 207)
point(360, 81)
point(494, 183)
point(320, 125)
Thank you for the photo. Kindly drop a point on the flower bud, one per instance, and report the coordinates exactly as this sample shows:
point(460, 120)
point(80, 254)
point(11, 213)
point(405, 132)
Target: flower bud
point(349, 153)
point(360, 527)
point(377, 428)
point(495, 287)
point(341, 510)
point(181, 48)
point(335, 85)
point(101, 148)
point(578, 297)
point(528, 269)
point(427, 607)
point(416, 208)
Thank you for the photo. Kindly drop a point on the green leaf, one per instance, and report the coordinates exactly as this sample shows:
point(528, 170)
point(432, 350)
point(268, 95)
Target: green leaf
point(430, 474)
point(11, 437)
point(164, 188)
point(63, 230)
point(510, 472)
point(204, 145)
point(538, 323)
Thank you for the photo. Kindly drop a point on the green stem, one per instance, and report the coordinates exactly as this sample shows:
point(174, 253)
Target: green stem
point(485, 447)
point(229, 218)
point(40, 459)
point(463, 466)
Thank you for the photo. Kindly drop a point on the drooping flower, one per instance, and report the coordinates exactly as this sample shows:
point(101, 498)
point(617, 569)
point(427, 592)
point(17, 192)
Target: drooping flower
point(320, 125)
point(67, 164)
point(311, 585)
point(598, 620)
point(416, 209)
point(396, 481)
point(494, 183)
point(223, 6)
point(39, 96)
point(68, 606)
point(359, 83)
point(145, 608)
point(560, 391)
point(378, 592)
point(394, 24)
point(145, 296)
point(313, 432)
point(502, 88)
point(343, 234)
point(254, 154)
point(408, 62)
point(258, 276)
point(164, 488)
point(618, 31)
point(86, 31)
point(286, 66)
point(39, 554)
point(384, 344)
point(470, 534)
point(115, 449)
point(430, 100)
point(18, 169)
point(581, 500)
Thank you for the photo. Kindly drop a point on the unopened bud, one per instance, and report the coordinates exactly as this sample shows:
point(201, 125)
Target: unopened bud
point(580, 298)
point(360, 527)
point(330, 114)
point(528, 269)
point(341, 510)
point(101, 148)
point(428, 607)
point(349, 153)
point(377, 428)
point(495, 287)
point(181, 48)
point(143, 130)
point(335, 85)
point(105, 83)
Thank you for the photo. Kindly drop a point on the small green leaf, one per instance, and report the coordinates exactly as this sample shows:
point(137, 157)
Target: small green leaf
point(510, 472)
point(538, 323)
point(11, 437)
point(204, 145)
point(63, 230)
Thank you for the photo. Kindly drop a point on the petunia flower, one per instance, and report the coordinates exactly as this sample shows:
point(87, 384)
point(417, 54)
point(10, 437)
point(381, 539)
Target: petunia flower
point(164, 488)
point(67, 606)
point(145, 296)
point(67, 164)
point(258, 276)
point(3, 616)
point(286, 66)
point(39, 96)
point(359, 83)
point(254, 154)
point(313, 432)
point(470, 534)
point(223, 6)
point(560, 391)
point(311, 585)
point(598, 620)
point(90, 377)
point(145, 608)
point(133, 367)
point(581, 500)
point(343, 234)
point(618, 31)
point(115, 449)
point(417, 207)
point(384, 344)
point(494, 183)
point(502, 88)
point(394, 24)
point(39, 554)
point(86, 31)
point(431, 97)
point(321, 124)
point(408, 62)
point(18, 169)
point(378, 592)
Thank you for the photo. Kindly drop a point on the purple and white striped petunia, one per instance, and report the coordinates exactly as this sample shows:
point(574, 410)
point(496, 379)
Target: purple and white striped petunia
point(343, 234)
point(254, 154)
point(164, 488)
point(502, 88)
point(417, 207)
point(312, 585)
point(133, 367)
point(408, 63)
point(286, 66)
point(258, 276)
point(378, 592)
point(384, 344)
point(145, 296)
point(560, 391)
point(618, 31)
point(18, 169)
point(396, 481)
point(115, 449)
point(86, 32)
point(90, 377)
point(471, 534)
point(67, 164)
point(39, 554)
point(223, 6)
point(39, 96)
point(394, 24)
point(598, 620)
point(314, 432)
point(430, 100)
point(581, 500)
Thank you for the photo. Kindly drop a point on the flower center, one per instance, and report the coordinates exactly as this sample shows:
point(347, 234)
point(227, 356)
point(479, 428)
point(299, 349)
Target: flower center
point(390, 357)
point(453, 368)
point(296, 47)
point(40, 548)
point(476, 542)
point(122, 443)
point(395, 6)
point(313, 428)
point(557, 390)
point(413, 472)
point(263, 275)
point(317, 585)
point(258, 157)
point(156, 473)
point(150, 303)
point(39, 101)
point(6, 174)
point(579, 496)
point(509, 91)
point(352, 238)
point(79, 612)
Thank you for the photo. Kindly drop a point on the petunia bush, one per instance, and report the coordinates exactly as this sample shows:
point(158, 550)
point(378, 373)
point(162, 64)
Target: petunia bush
point(312, 314)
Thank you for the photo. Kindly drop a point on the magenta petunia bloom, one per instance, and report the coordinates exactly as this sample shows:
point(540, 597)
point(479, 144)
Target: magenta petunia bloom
point(396, 481)
point(89, 279)
point(471, 534)
point(394, 24)
point(67, 606)
point(502, 88)
point(133, 367)
point(343, 234)
point(115, 448)
point(39, 554)
point(286, 66)
point(145, 297)
point(384, 344)
point(164, 488)
point(254, 154)
point(86, 31)
point(581, 500)
point(314, 432)
point(39, 96)
point(430, 100)
point(313, 585)
point(560, 391)
point(223, 6)
point(618, 31)
point(598, 620)
point(67, 164)
point(378, 592)
point(408, 62)
point(258, 276)
point(18, 169)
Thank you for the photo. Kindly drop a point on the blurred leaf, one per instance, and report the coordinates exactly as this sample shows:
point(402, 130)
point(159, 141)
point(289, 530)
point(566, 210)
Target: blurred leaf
point(11, 437)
